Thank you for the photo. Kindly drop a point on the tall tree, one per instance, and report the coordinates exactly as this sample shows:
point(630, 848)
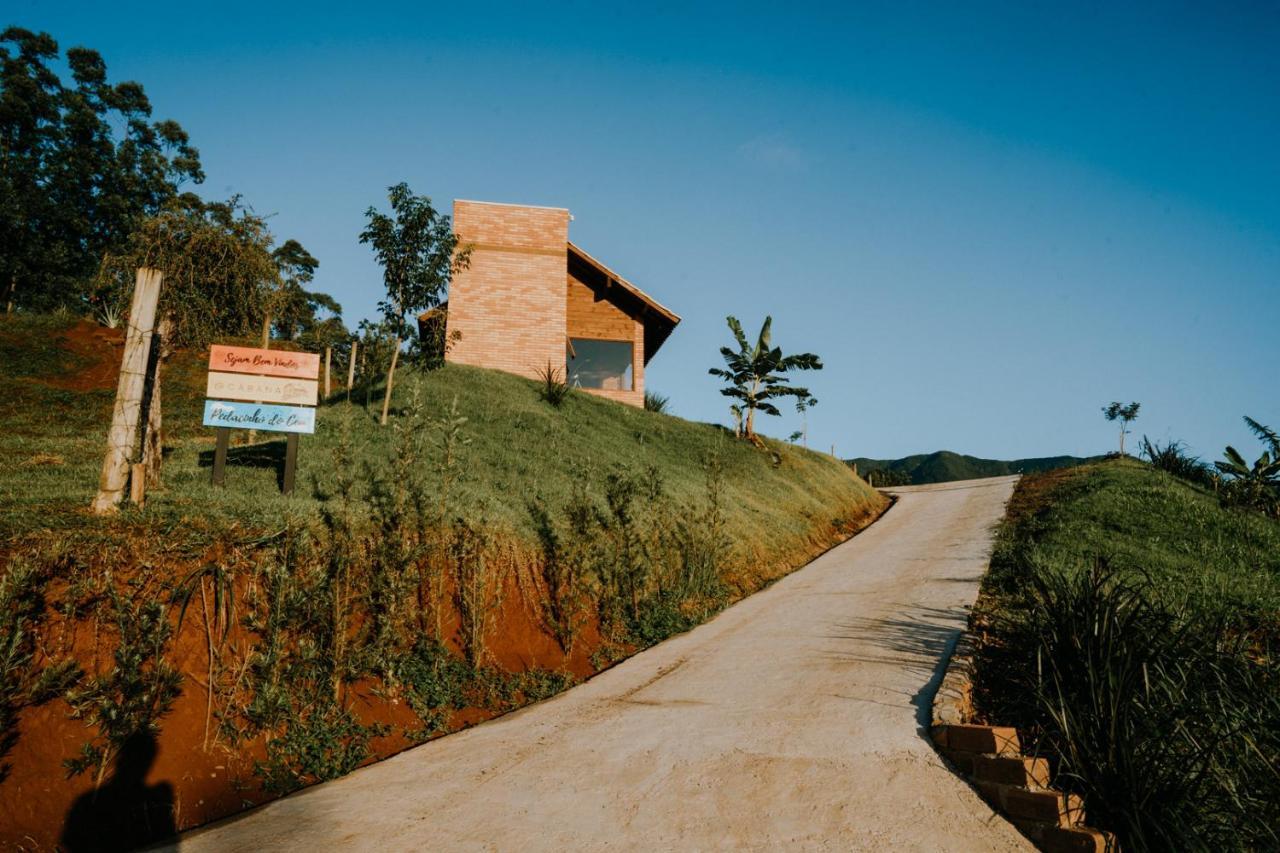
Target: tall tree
point(1117, 411)
point(757, 374)
point(419, 253)
point(30, 127)
point(292, 305)
point(81, 166)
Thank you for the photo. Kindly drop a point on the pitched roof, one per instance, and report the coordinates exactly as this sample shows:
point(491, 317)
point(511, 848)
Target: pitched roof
point(659, 320)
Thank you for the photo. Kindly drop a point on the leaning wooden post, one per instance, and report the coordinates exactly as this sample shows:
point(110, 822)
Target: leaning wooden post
point(122, 441)
point(153, 431)
point(328, 356)
point(351, 368)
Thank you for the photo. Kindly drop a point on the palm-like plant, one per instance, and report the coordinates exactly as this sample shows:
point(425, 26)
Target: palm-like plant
point(757, 375)
point(1257, 484)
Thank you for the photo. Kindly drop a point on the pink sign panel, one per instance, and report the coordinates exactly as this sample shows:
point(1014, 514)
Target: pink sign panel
point(264, 362)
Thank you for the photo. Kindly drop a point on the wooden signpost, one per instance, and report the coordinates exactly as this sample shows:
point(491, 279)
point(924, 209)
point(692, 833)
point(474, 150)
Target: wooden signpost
point(270, 390)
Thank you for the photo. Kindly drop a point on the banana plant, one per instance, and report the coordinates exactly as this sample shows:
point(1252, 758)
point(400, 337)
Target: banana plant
point(757, 375)
point(1258, 484)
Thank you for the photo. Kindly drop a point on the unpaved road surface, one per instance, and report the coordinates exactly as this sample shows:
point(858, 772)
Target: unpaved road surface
point(794, 719)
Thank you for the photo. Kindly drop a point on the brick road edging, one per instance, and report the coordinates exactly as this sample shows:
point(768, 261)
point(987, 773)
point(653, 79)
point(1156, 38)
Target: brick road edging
point(991, 759)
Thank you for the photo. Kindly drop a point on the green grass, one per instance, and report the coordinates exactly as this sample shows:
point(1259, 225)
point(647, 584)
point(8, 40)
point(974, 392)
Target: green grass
point(944, 466)
point(520, 448)
point(1129, 627)
point(1150, 525)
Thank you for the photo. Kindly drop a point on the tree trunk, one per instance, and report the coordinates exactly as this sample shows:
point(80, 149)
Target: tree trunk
point(391, 375)
point(123, 439)
point(266, 331)
point(328, 358)
point(751, 411)
point(1122, 438)
point(153, 436)
point(13, 291)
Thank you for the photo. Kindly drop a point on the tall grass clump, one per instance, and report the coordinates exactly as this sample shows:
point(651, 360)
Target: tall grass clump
point(1174, 459)
point(1167, 722)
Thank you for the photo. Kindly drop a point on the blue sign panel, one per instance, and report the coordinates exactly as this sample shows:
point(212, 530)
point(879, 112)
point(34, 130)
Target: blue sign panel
point(220, 413)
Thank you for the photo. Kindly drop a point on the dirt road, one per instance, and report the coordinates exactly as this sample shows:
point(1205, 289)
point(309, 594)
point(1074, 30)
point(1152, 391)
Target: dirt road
point(795, 719)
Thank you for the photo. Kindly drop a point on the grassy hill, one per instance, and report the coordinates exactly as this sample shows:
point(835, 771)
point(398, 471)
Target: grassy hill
point(482, 551)
point(1129, 626)
point(945, 466)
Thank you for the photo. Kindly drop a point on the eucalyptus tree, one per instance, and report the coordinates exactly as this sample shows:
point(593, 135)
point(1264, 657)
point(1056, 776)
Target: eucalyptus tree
point(292, 306)
point(757, 375)
point(81, 166)
point(1117, 411)
point(418, 252)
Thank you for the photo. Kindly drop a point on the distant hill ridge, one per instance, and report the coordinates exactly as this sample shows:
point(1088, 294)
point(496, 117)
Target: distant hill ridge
point(945, 466)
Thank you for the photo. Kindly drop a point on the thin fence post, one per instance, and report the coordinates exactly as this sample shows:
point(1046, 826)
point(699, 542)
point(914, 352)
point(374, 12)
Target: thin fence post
point(351, 367)
point(328, 355)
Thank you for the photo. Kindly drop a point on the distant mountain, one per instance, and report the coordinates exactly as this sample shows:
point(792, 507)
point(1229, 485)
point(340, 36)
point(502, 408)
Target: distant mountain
point(945, 466)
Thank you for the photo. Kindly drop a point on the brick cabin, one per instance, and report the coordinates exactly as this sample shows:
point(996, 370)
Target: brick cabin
point(532, 298)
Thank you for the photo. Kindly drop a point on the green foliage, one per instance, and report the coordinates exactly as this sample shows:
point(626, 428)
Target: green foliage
point(1165, 720)
point(1255, 486)
point(757, 374)
point(130, 697)
point(477, 586)
point(552, 388)
point(219, 274)
point(1174, 459)
point(321, 746)
point(418, 253)
point(1117, 411)
point(82, 166)
point(23, 681)
point(1127, 627)
point(655, 402)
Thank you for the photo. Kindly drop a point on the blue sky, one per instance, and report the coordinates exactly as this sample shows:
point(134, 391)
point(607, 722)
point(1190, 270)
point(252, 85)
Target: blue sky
point(988, 219)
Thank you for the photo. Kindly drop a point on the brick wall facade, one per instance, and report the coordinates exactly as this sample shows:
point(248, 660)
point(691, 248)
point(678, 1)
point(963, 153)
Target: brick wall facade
point(509, 305)
point(516, 305)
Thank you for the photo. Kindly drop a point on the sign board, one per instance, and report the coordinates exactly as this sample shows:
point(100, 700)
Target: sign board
point(271, 390)
point(264, 362)
point(299, 419)
point(268, 389)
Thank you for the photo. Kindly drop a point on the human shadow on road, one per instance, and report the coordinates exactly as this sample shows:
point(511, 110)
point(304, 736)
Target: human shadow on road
point(126, 812)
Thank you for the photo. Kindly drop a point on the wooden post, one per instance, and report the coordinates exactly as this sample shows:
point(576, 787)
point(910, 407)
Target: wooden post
point(123, 439)
point(351, 367)
point(153, 433)
point(328, 356)
point(290, 462)
point(137, 483)
point(391, 375)
point(220, 455)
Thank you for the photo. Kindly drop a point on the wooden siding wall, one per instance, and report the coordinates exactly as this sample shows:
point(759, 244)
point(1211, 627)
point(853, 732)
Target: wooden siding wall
point(590, 314)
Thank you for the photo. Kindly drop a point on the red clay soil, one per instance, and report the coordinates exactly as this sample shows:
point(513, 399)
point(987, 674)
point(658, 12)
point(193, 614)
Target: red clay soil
point(98, 349)
point(209, 783)
point(37, 796)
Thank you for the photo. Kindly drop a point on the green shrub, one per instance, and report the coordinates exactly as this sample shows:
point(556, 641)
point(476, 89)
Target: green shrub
point(1167, 722)
point(131, 696)
point(1174, 459)
point(655, 402)
point(552, 388)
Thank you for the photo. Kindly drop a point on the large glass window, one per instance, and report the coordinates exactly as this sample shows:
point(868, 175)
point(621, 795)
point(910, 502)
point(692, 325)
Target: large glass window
point(600, 364)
